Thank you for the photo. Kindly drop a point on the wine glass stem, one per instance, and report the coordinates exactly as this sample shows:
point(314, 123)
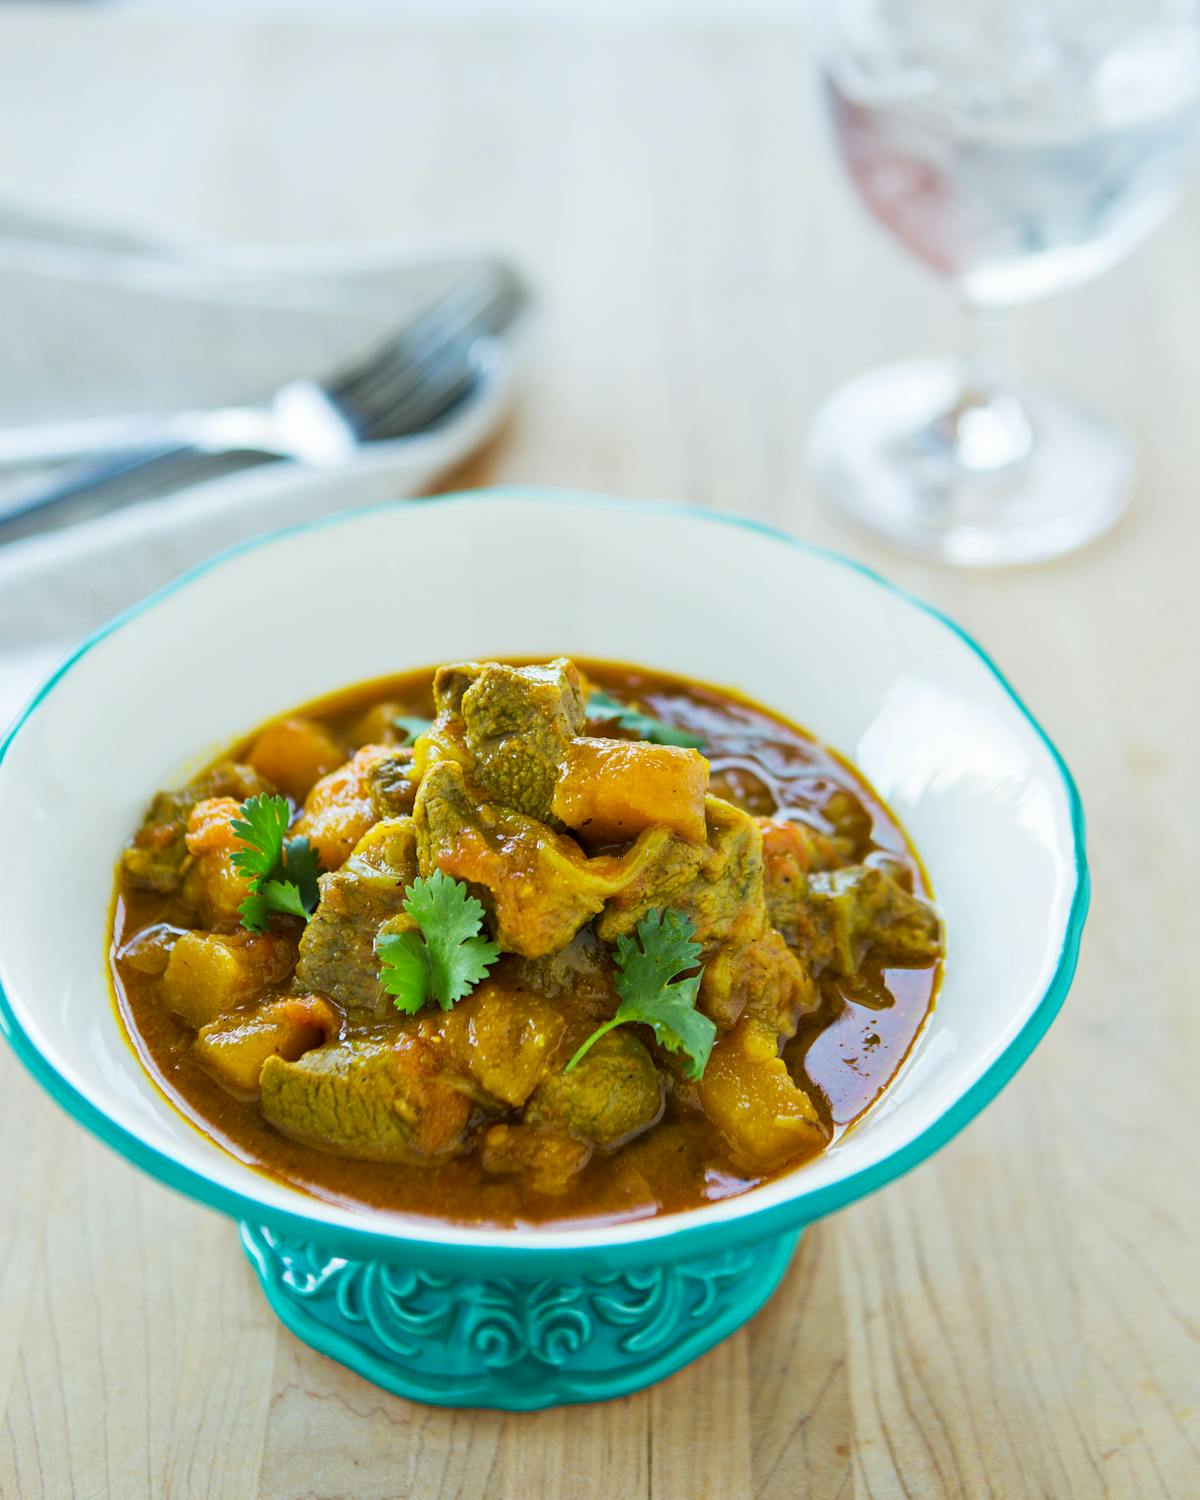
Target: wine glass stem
point(986, 429)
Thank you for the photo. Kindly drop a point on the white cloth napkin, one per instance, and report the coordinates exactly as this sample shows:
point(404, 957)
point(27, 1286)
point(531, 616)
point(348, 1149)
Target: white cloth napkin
point(104, 319)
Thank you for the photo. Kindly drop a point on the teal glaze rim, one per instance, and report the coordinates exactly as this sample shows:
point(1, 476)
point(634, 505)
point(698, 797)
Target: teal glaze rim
point(530, 1255)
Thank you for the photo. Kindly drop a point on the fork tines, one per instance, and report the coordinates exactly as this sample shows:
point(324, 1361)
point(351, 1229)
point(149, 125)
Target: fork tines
point(421, 373)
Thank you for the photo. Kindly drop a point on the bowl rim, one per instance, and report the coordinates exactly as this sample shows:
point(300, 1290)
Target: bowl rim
point(678, 1237)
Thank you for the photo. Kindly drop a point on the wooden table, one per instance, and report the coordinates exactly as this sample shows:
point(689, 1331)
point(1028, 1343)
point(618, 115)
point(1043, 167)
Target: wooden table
point(1020, 1316)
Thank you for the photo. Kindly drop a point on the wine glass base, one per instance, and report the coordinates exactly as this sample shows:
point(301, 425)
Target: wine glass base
point(874, 454)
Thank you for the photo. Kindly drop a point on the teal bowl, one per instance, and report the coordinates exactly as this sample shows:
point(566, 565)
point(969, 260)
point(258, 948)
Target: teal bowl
point(507, 1318)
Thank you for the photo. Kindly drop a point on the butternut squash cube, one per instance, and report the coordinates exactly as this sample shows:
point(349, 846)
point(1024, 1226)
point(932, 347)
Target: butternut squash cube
point(212, 882)
point(767, 1120)
point(209, 973)
point(341, 807)
point(503, 1039)
point(612, 790)
point(234, 1047)
point(295, 754)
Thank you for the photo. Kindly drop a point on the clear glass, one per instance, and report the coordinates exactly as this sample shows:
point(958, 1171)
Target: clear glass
point(1016, 148)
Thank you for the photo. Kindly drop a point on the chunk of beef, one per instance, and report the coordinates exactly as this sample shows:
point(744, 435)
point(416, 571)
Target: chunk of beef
point(763, 979)
point(157, 854)
point(862, 909)
point(539, 885)
point(451, 682)
point(503, 1039)
point(235, 1047)
point(765, 1118)
point(393, 783)
point(535, 881)
point(337, 950)
point(722, 892)
point(389, 1098)
point(548, 1159)
point(834, 918)
point(517, 725)
point(341, 807)
point(612, 790)
point(615, 1093)
point(209, 973)
point(583, 970)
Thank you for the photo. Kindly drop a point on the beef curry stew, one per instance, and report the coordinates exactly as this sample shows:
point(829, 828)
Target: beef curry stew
point(518, 944)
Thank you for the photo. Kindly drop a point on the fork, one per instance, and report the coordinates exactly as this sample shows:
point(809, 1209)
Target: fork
point(406, 385)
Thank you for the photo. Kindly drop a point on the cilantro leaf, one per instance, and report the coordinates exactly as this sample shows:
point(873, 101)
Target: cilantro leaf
point(601, 706)
point(301, 867)
point(255, 913)
point(404, 971)
point(651, 993)
point(453, 956)
point(410, 726)
point(283, 895)
point(262, 827)
point(281, 872)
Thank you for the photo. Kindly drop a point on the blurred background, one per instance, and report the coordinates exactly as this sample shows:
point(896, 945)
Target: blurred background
point(680, 184)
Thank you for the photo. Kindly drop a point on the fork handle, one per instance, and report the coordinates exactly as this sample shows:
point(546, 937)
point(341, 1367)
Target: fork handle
point(46, 496)
point(50, 442)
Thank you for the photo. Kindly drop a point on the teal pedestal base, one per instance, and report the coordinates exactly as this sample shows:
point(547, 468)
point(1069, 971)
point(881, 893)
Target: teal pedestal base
point(514, 1344)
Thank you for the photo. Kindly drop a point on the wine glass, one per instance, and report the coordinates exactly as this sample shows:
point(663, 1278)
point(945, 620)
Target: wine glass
point(1015, 147)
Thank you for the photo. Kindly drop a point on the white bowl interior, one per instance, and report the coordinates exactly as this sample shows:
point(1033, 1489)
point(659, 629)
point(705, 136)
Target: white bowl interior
point(885, 682)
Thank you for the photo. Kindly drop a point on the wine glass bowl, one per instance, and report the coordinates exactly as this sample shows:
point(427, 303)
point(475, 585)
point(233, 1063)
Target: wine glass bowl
point(1015, 150)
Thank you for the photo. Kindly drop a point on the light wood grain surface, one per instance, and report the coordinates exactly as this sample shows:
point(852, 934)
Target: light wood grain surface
point(1017, 1318)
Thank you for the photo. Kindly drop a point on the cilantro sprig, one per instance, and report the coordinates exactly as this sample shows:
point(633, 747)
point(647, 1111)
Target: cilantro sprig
point(652, 993)
point(282, 872)
point(447, 957)
point(410, 726)
point(601, 706)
